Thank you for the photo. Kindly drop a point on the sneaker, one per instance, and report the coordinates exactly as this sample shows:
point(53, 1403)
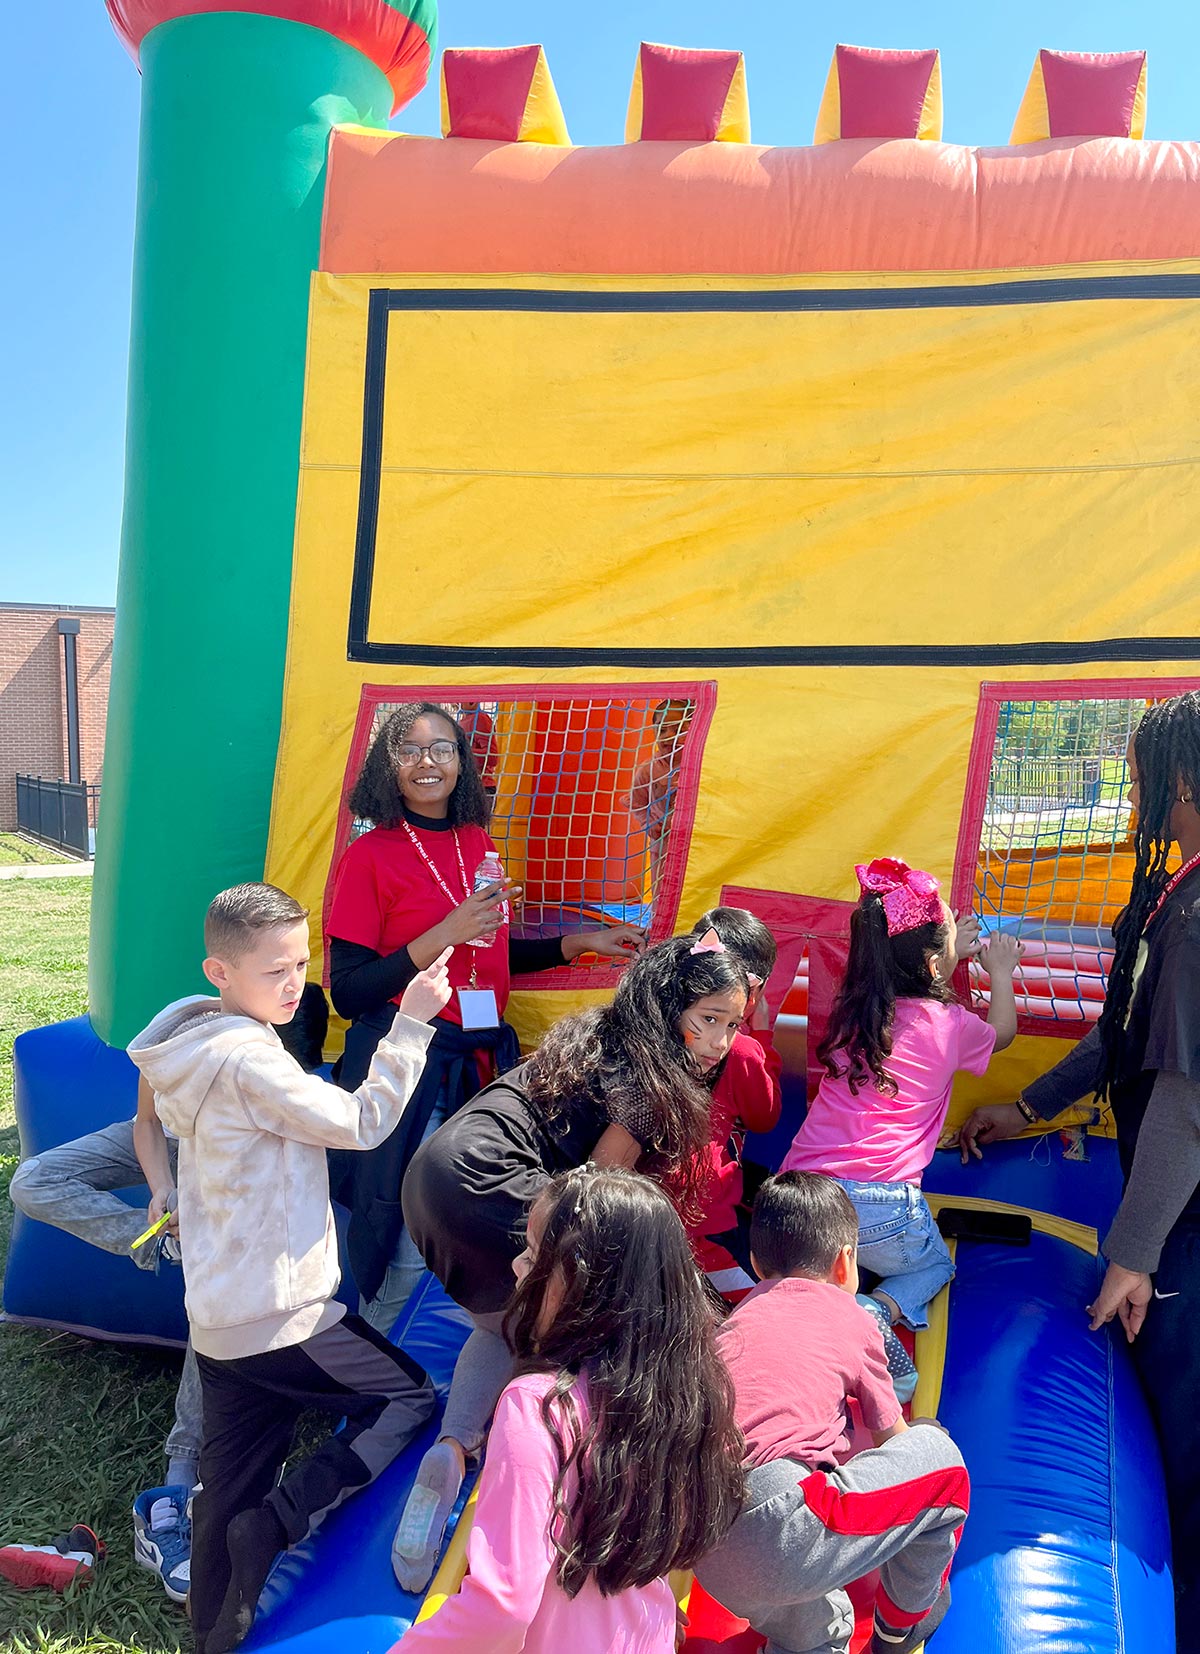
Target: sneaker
point(70, 1559)
point(900, 1363)
point(162, 1537)
point(885, 1639)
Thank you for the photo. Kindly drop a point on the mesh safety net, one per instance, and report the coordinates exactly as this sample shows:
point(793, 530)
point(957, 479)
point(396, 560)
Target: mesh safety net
point(584, 798)
point(1055, 858)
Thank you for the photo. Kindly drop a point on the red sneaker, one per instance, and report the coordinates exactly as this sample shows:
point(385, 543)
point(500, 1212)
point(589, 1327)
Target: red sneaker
point(70, 1559)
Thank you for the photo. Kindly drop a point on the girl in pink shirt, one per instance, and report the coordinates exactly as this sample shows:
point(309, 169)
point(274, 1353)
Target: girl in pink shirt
point(613, 1455)
point(896, 1039)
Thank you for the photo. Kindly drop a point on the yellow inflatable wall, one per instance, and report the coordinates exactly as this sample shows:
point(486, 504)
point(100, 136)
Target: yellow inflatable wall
point(827, 502)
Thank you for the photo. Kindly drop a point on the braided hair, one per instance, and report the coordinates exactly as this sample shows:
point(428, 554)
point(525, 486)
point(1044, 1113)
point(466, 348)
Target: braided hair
point(1166, 751)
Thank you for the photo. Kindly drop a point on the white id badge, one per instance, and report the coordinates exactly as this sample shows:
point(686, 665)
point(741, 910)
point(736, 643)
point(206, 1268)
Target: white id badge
point(478, 1007)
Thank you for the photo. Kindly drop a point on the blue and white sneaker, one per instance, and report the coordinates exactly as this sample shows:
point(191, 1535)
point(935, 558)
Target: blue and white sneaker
point(901, 1369)
point(162, 1537)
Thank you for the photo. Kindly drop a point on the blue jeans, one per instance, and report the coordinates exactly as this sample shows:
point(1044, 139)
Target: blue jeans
point(899, 1241)
point(71, 1188)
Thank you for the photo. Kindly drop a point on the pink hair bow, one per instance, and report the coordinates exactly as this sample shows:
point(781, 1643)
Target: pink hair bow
point(910, 898)
point(710, 942)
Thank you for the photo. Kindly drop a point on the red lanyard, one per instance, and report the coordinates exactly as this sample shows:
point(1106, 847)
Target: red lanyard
point(1172, 883)
point(454, 900)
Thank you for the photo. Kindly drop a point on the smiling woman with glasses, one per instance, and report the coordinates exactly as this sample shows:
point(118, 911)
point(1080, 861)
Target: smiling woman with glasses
point(403, 893)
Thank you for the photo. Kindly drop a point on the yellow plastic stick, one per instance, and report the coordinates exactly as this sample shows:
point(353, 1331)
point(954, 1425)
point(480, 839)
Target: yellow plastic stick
point(151, 1232)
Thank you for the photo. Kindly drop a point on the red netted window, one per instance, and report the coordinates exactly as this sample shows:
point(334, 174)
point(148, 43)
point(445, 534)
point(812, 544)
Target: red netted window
point(593, 790)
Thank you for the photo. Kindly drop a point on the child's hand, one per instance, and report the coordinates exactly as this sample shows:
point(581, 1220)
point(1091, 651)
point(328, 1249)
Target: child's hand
point(966, 942)
point(163, 1200)
point(1001, 955)
point(428, 991)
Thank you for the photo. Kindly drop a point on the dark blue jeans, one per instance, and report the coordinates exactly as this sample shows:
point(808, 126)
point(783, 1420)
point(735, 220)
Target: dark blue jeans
point(1167, 1352)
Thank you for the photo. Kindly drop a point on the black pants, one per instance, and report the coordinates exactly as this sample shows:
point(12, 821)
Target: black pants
point(1167, 1352)
point(250, 1410)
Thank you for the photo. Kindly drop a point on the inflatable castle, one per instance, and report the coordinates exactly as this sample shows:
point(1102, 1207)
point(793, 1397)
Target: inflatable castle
point(845, 490)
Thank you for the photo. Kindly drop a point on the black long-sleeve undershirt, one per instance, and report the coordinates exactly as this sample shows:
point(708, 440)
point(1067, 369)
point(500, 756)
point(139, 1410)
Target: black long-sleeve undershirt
point(361, 980)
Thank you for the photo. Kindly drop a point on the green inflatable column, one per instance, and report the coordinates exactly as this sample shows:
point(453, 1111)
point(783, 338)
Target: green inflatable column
point(236, 115)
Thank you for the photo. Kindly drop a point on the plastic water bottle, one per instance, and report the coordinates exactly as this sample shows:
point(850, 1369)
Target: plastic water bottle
point(490, 871)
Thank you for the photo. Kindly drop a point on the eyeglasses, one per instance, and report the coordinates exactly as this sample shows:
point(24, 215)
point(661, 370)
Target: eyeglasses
point(438, 752)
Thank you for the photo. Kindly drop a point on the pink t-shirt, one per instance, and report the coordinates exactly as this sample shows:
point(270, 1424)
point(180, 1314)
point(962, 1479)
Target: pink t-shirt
point(796, 1349)
point(874, 1138)
point(510, 1601)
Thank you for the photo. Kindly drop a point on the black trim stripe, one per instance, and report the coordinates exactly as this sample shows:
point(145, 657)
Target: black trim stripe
point(878, 654)
point(383, 301)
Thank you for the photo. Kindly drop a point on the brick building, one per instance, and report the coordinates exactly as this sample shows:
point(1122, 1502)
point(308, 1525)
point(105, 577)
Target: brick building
point(35, 725)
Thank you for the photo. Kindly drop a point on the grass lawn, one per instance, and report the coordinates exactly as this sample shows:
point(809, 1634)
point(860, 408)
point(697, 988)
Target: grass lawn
point(18, 852)
point(81, 1424)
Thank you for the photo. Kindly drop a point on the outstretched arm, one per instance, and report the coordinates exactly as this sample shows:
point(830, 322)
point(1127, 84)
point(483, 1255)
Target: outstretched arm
point(1076, 1076)
point(1000, 959)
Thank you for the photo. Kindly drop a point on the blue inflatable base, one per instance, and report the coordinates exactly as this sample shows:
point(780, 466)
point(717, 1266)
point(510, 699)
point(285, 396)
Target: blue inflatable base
point(67, 1083)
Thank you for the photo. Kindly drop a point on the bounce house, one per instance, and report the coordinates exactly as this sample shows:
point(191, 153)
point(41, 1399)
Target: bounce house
point(760, 510)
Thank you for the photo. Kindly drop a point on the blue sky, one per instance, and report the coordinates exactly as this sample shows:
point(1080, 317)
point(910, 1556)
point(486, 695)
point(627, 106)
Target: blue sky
point(71, 100)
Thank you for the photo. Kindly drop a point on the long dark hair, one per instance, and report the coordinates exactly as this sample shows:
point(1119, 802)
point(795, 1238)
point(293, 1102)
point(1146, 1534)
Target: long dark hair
point(1166, 750)
point(657, 1464)
point(880, 970)
point(376, 794)
point(630, 1057)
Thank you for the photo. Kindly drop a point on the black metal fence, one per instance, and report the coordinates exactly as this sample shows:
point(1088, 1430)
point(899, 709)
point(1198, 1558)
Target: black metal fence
point(1029, 783)
point(62, 813)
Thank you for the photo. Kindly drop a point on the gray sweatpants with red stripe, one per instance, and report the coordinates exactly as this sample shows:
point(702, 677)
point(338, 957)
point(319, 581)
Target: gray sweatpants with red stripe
point(804, 1535)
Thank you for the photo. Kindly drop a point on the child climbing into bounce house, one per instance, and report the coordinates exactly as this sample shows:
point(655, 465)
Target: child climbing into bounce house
point(896, 1039)
point(614, 1456)
point(814, 1519)
point(629, 1084)
point(746, 1097)
point(260, 1250)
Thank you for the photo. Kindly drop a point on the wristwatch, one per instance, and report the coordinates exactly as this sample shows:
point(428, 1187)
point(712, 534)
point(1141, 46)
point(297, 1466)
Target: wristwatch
point(1026, 1113)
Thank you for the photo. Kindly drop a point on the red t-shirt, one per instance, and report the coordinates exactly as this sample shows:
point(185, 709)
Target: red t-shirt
point(796, 1349)
point(384, 896)
point(748, 1090)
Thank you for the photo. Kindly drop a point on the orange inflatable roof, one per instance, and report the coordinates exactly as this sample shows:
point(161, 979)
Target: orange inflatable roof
point(397, 204)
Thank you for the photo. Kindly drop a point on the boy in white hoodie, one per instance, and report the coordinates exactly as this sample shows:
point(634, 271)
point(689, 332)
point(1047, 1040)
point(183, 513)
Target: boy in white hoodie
point(260, 1251)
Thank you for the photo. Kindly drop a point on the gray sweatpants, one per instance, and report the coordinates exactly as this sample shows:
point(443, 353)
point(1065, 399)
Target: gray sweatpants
point(71, 1187)
point(804, 1535)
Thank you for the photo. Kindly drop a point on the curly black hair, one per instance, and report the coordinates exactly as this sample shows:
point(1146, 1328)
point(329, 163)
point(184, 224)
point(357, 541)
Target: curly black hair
point(1166, 751)
point(631, 1055)
point(880, 970)
point(655, 1466)
point(376, 795)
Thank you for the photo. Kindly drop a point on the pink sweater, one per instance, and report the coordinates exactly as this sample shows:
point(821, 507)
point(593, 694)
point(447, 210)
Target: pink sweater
point(510, 1601)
